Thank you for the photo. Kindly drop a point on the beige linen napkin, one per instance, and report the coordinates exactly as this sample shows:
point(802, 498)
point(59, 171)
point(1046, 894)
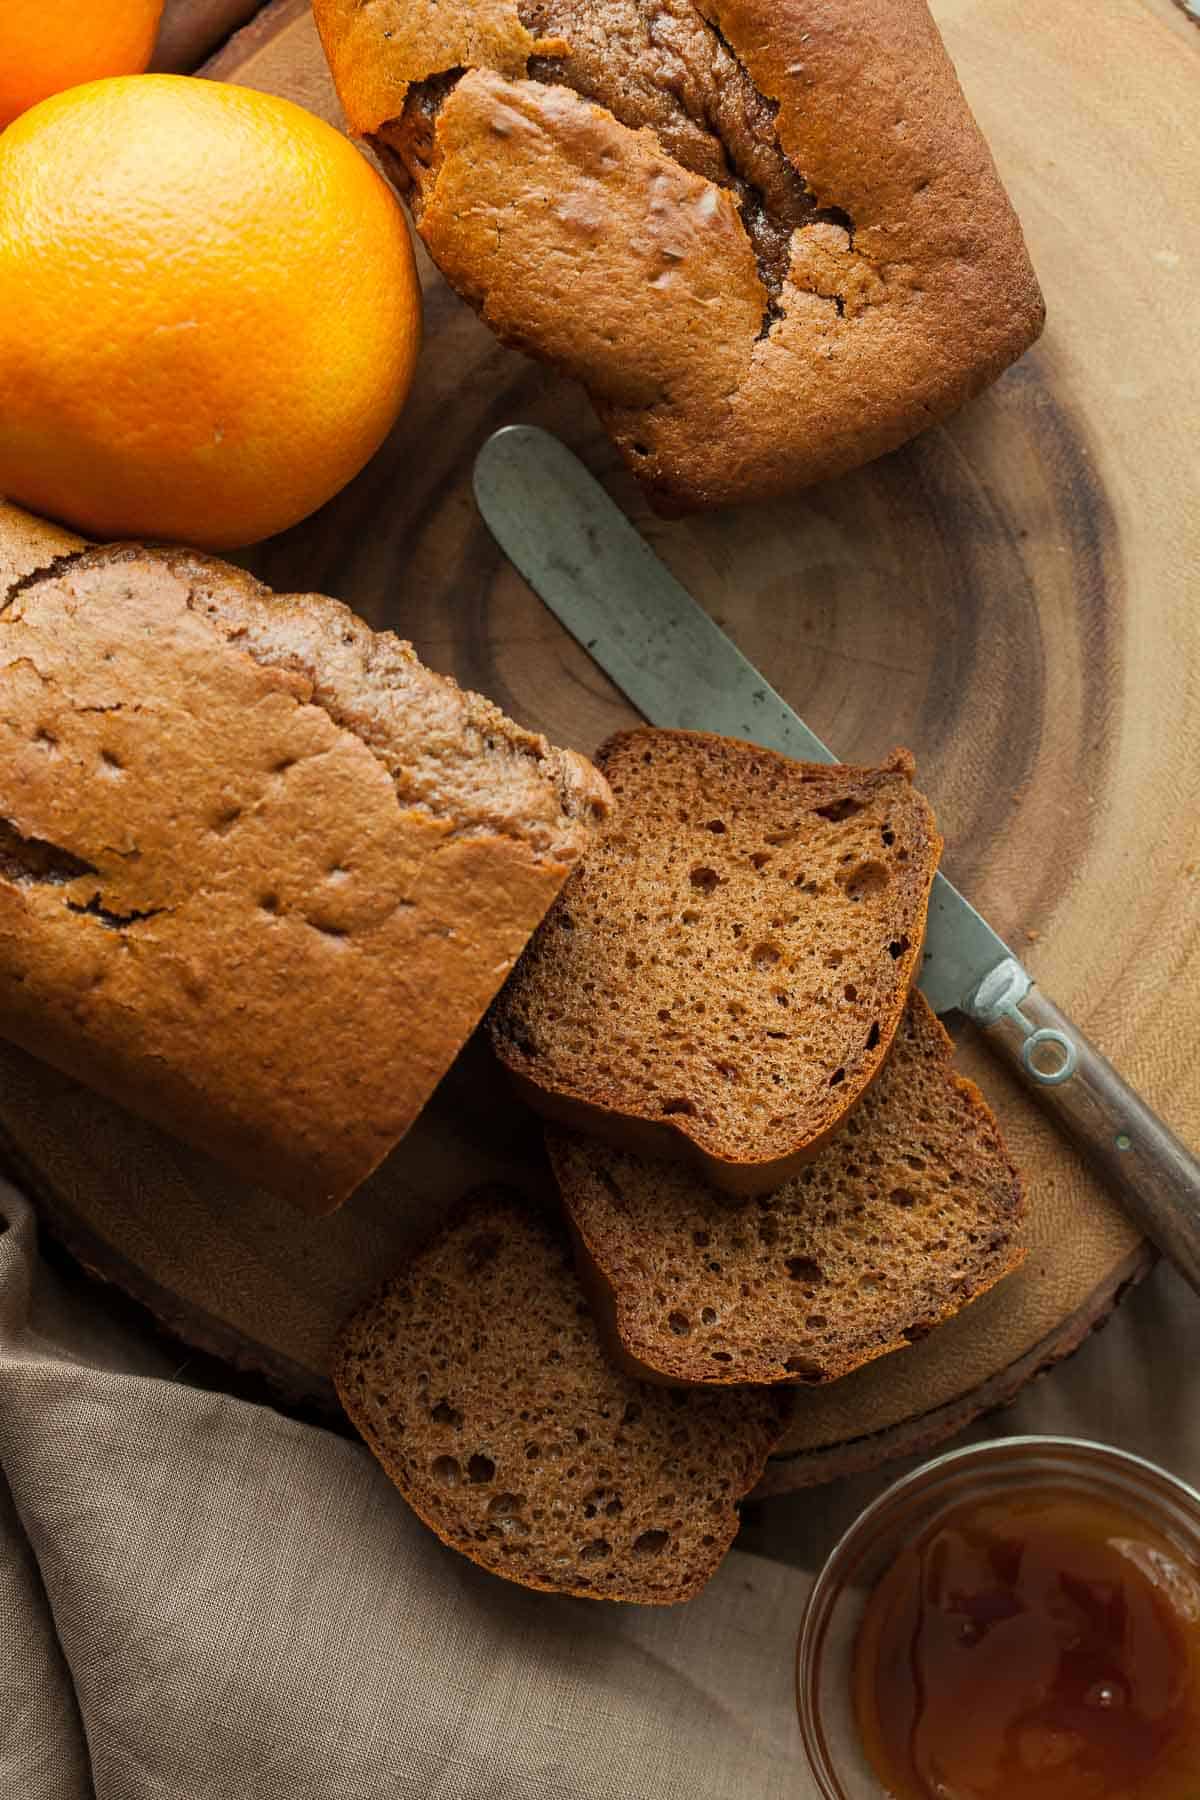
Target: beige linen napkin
point(203, 1600)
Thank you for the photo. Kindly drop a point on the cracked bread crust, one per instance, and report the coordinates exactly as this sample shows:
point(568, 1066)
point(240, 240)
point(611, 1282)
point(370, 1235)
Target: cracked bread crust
point(767, 237)
point(260, 871)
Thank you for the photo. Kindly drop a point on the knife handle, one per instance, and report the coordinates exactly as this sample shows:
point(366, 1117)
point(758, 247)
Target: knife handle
point(1156, 1178)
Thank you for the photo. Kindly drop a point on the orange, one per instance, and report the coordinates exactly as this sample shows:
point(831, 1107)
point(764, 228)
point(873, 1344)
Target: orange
point(48, 45)
point(209, 310)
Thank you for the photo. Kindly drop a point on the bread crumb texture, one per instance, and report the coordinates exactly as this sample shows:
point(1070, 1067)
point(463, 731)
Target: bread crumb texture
point(478, 1380)
point(721, 978)
point(260, 870)
point(913, 1209)
point(767, 236)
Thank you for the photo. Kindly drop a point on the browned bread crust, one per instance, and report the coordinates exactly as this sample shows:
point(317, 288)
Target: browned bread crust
point(477, 1379)
point(766, 235)
point(913, 1209)
point(260, 870)
point(721, 978)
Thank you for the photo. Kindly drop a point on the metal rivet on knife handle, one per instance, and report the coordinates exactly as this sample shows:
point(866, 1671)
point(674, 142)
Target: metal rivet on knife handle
point(1150, 1171)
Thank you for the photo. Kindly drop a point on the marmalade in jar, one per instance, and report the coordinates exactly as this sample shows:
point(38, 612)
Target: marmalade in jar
point(1036, 1645)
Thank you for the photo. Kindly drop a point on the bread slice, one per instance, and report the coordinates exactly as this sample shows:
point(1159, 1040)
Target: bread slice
point(478, 1380)
point(912, 1210)
point(261, 871)
point(720, 979)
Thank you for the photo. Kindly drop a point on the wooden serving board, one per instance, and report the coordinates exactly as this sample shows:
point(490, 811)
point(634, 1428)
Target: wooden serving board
point(190, 30)
point(1013, 596)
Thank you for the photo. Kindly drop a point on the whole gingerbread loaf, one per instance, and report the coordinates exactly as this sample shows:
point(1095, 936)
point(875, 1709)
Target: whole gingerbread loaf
point(261, 871)
point(766, 235)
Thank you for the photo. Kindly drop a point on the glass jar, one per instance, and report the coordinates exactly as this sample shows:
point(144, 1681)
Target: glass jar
point(829, 1628)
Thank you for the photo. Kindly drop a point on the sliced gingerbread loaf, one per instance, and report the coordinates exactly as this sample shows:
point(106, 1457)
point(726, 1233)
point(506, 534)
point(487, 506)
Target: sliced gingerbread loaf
point(766, 235)
point(913, 1209)
point(261, 871)
point(478, 1380)
point(721, 977)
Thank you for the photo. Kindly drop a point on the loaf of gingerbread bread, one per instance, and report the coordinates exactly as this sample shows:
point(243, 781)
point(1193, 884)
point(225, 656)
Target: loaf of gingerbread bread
point(261, 871)
point(766, 235)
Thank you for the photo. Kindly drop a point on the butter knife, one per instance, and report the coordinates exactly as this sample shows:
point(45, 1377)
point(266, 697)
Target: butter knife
point(600, 578)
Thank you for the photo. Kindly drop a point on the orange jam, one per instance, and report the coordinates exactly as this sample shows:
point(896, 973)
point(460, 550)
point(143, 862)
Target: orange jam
point(1037, 1646)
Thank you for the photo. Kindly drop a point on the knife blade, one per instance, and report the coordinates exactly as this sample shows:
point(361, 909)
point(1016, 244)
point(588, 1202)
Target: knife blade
point(601, 579)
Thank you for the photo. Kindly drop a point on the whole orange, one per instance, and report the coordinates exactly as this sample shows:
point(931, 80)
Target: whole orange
point(209, 310)
point(48, 45)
